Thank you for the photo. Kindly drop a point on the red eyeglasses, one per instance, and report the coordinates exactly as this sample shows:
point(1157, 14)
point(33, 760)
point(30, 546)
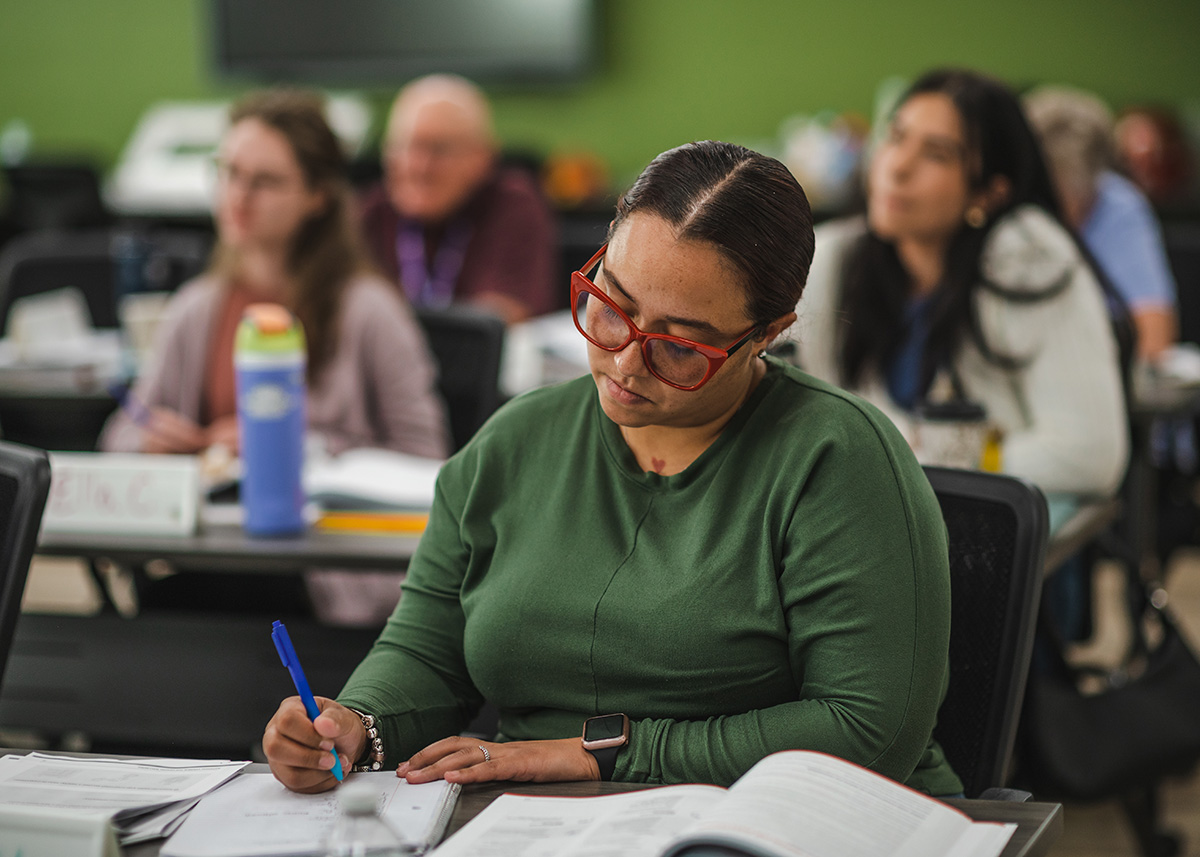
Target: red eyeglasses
point(677, 362)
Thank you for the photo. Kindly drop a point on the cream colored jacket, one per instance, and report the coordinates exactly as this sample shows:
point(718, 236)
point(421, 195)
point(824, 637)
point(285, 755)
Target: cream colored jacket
point(1062, 413)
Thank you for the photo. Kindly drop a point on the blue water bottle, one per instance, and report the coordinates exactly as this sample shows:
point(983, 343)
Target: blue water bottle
point(269, 358)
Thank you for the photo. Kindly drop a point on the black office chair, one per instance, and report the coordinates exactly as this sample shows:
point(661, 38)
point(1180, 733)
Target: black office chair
point(55, 196)
point(998, 527)
point(93, 261)
point(580, 233)
point(24, 486)
point(1182, 243)
point(467, 344)
point(42, 261)
point(101, 263)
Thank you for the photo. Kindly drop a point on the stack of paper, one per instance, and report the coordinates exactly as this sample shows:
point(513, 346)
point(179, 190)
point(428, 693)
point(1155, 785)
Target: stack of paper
point(372, 479)
point(143, 799)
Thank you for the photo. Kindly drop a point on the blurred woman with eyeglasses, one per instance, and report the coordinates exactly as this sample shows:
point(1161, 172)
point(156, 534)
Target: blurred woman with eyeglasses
point(697, 540)
point(286, 234)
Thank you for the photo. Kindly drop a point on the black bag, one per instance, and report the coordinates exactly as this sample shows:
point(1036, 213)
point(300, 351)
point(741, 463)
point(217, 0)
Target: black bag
point(1143, 723)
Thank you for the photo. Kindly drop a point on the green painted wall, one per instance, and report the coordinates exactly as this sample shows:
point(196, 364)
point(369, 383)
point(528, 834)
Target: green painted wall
point(80, 72)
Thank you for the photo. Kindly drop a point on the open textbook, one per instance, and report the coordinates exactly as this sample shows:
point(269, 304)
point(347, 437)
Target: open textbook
point(791, 804)
point(255, 816)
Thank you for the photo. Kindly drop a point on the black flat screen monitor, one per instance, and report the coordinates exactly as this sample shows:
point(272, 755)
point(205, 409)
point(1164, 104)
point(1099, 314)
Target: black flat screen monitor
point(386, 42)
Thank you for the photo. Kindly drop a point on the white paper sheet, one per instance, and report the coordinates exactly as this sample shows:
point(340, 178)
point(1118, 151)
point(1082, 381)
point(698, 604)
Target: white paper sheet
point(372, 479)
point(255, 816)
point(637, 824)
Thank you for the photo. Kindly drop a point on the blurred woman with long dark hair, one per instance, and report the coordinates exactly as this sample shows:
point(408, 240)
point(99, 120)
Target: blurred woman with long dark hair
point(962, 282)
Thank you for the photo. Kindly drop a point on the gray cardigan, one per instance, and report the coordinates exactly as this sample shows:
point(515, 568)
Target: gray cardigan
point(378, 388)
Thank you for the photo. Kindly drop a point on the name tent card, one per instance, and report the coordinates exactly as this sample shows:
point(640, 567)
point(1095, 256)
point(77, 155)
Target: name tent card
point(122, 493)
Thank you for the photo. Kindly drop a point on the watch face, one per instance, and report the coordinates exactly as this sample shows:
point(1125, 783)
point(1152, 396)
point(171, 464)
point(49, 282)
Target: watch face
point(607, 730)
point(606, 726)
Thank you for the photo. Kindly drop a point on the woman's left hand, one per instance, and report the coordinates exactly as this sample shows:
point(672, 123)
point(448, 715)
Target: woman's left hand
point(462, 760)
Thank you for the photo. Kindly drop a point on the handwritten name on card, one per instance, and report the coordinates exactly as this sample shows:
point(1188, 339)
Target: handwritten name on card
point(122, 493)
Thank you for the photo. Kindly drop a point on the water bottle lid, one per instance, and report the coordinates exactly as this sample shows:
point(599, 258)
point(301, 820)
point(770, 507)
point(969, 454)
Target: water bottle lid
point(269, 328)
point(358, 798)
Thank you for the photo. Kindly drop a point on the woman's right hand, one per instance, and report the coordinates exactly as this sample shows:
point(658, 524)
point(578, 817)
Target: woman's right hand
point(300, 751)
point(166, 431)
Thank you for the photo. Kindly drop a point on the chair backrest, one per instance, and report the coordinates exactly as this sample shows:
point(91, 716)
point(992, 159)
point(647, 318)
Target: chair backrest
point(24, 486)
point(997, 527)
point(580, 235)
point(55, 196)
point(39, 262)
point(467, 344)
point(101, 263)
point(1182, 242)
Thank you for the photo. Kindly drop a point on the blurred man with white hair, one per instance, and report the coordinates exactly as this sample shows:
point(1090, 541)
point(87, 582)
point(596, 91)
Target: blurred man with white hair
point(1113, 218)
point(449, 223)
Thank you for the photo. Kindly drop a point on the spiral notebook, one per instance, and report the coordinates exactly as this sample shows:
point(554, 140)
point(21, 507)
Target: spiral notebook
point(255, 816)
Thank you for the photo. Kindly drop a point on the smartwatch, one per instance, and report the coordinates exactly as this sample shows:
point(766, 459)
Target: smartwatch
point(603, 737)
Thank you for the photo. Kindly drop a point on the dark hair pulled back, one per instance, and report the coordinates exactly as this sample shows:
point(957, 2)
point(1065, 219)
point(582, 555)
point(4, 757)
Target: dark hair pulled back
point(747, 205)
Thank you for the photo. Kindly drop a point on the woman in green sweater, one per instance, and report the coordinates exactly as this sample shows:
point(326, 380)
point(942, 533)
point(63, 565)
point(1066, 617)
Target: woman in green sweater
point(716, 554)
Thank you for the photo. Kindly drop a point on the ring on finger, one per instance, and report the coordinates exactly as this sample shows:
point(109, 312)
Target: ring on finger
point(487, 757)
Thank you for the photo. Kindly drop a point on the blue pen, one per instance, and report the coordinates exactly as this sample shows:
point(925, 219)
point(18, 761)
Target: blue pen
point(130, 403)
point(288, 655)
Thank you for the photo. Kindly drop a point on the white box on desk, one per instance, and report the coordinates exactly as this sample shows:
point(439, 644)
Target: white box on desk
point(143, 495)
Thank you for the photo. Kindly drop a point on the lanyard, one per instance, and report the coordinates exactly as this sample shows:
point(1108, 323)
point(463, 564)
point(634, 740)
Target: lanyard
point(431, 283)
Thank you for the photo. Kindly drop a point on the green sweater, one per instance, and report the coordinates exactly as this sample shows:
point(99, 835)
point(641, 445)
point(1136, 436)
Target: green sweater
point(789, 589)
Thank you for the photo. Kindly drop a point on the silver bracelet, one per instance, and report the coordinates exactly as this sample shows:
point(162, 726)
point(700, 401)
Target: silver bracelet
point(373, 760)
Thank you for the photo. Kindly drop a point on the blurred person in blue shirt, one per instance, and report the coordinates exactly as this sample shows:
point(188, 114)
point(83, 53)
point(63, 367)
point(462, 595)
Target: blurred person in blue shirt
point(1112, 216)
